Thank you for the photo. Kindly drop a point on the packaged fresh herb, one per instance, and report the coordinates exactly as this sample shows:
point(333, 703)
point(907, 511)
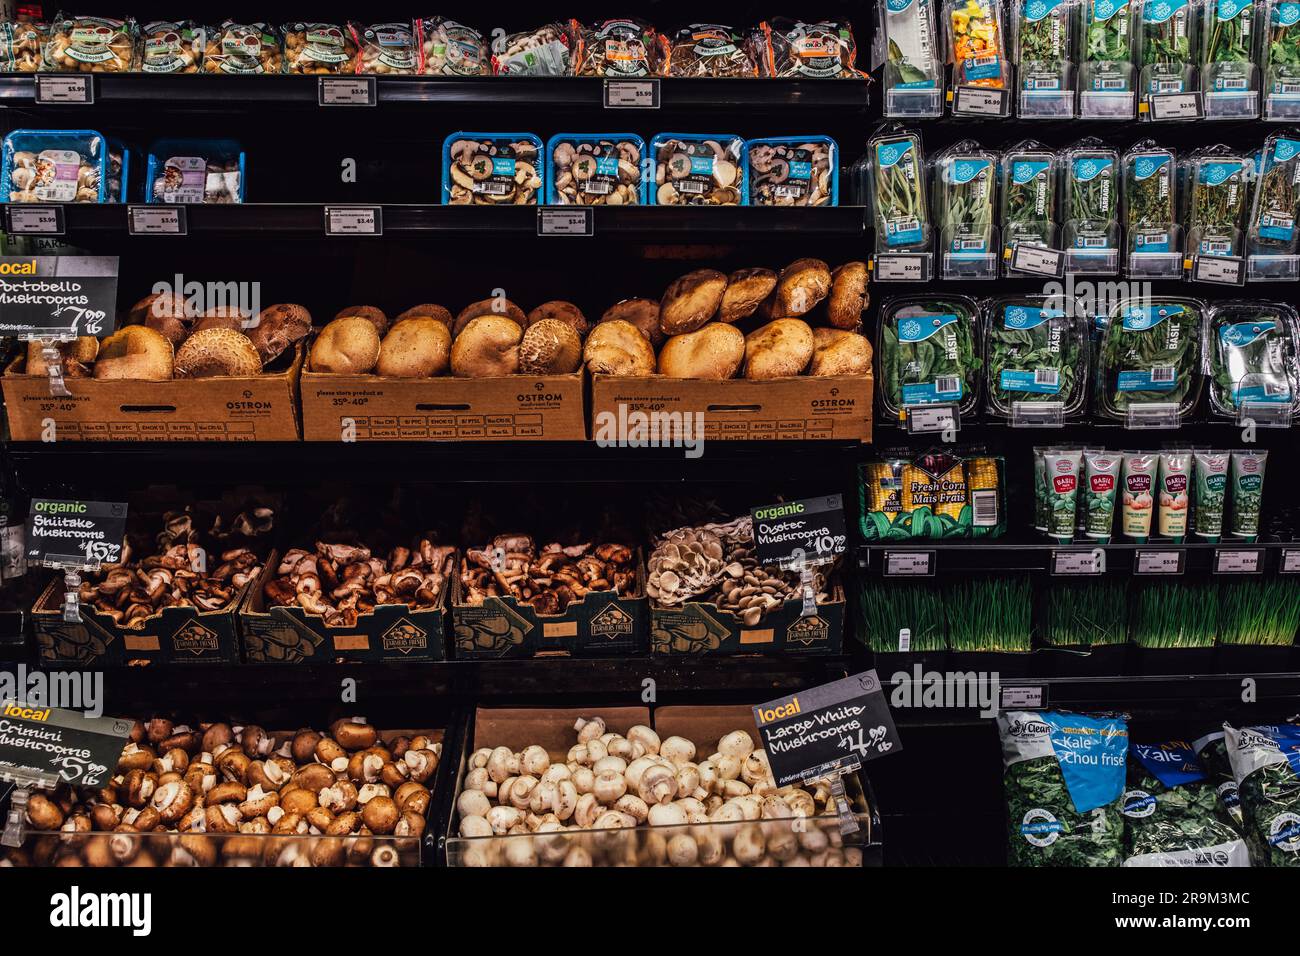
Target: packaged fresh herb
point(1028, 196)
point(1149, 200)
point(1166, 45)
point(1227, 43)
point(1266, 764)
point(1063, 779)
point(1107, 46)
point(898, 190)
point(1171, 808)
point(976, 45)
point(938, 494)
point(1035, 351)
point(1281, 49)
point(965, 186)
point(1253, 348)
point(1219, 182)
point(1043, 44)
point(1246, 485)
point(910, 52)
point(1212, 749)
point(1277, 195)
point(1150, 354)
point(927, 353)
point(1091, 197)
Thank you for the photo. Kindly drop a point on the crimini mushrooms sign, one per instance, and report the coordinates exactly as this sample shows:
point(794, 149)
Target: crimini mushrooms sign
point(797, 533)
point(39, 746)
point(827, 729)
point(57, 296)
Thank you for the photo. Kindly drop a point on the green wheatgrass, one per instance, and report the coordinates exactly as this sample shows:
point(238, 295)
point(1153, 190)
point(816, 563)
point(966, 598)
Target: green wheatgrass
point(887, 609)
point(1259, 612)
point(1174, 615)
point(989, 615)
point(1087, 614)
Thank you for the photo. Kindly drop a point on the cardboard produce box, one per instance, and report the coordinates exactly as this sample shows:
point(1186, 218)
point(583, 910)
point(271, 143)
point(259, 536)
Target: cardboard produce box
point(174, 635)
point(704, 628)
point(802, 407)
point(289, 635)
point(509, 408)
point(237, 408)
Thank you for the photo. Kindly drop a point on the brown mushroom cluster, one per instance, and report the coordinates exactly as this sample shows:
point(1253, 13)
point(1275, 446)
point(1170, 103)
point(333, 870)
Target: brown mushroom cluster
point(770, 179)
point(697, 171)
point(493, 172)
point(596, 172)
point(339, 582)
point(637, 800)
point(223, 795)
point(21, 43)
point(549, 579)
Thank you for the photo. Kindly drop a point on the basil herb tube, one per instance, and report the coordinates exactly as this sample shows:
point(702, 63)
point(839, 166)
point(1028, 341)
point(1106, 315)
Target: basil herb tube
point(1100, 482)
point(1253, 349)
point(1150, 354)
point(1062, 470)
point(927, 354)
point(1035, 352)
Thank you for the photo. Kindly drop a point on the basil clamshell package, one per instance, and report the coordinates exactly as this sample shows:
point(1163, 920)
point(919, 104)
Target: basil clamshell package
point(1209, 493)
point(1035, 351)
point(907, 44)
point(1167, 47)
point(1029, 197)
point(1150, 214)
point(1218, 192)
point(1090, 203)
point(898, 200)
point(928, 353)
point(1212, 750)
point(1172, 811)
point(965, 194)
point(1252, 350)
point(934, 495)
point(1043, 41)
point(1266, 765)
point(1246, 483)
point(1276, 204)
point(1063, 781)
point(1150, 354)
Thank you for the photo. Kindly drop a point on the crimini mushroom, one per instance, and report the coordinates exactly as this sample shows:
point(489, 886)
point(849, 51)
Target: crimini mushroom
point(493, 171)
point(788, 172)
point(593, 171)
point(697, 170)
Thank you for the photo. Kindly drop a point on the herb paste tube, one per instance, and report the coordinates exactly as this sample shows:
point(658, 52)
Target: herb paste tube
point(1211, 482)
point(1062, 469)
point(1175, 494)
point(1137, 503)
point(1101, 478)
point(1247, 472)
point(1040, 488)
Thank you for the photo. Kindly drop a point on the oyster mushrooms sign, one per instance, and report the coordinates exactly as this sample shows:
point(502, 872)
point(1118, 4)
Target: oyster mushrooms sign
point(57, 296)
point(39, 746)
point(794, 534)
point(825, 730)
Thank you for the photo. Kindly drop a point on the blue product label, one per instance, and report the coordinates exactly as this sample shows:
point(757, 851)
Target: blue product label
point(1091, 752)
point(897, 6)
point(1089, 168)
point(1174, 763)
point(1273, 231)
point(1240, 334)
point(1027, 317)
point(1042, 381)
point(1152, 242)
point(702, 165)
point(1026, 170)
point(1148, 164)
point(918, 328)
point(1148, 380)
point(1265, 393)
point(1143, 318)
point(964, 170)
point(1035, 10)
point(1105, 9)
point(1286, 14)
point(1285, 150)
point(894, 152)
point(1160, 11)
point(1218, 173)
point(985, 68)
point(800, 170)
point(948, 388)
point(503, 166)
point(607, 165)
point(1228, 9)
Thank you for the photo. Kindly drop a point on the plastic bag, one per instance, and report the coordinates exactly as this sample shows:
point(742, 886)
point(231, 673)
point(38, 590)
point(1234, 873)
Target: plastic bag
point(386, 48)
point(319, 49)
point(927, 352)
point(619, 49)
point(546, 51)
point(90, 45)
point(1251, 349)
point(1266, 764)
point(54, 166)
point(171, 46)
point(491, 169)
point(792, 171)
point(794, 49)
point(21, 45)
point(586, 169)
point(448, 48)
point(708, 49)
point(698, 169)
point(243, 48)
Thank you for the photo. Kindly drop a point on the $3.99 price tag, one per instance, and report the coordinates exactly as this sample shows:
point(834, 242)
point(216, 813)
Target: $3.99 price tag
point(75, 534)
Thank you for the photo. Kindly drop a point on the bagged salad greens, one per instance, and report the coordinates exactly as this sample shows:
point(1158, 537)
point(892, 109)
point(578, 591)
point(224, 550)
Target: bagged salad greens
point(1281, 48)
point(1167, 46)
point(1252, 350)
point(1035, 351)
point(927, 353)
point(1212, 749)
point(1150, 354)
point(1063, 780)
point(1028, 201)
point(1218, 188)
point(965, 190)
point(1150, 219)
point(1043, 43)
point(1172, 811)
point(1091, 197)
point(898, 190)
point(1107, 57)
point(909, 49)
point(1266, 765)
point(1276, 206)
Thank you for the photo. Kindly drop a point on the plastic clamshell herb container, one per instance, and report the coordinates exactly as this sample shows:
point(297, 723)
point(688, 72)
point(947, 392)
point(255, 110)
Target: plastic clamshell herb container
point(698, 169)
point(1251, 351)
point(1277, 190)
point(54, 166)
point(927, 352)
point(600, 165)
point(184, 167)
point(1028, 197)
point(1035, 351)
point(965, 200)
point(898, 193)
point(483, 169)
point(792, 171)
point(1150, 353)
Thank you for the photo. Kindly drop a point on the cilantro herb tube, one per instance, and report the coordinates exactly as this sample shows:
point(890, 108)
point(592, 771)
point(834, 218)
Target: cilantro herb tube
point(1062, 469)
point(898, 191)
point(1137, 504)
point(1174, 482)
point(1211, 485)
point(1100, 482)
point(927, 353)
point(1246, 474)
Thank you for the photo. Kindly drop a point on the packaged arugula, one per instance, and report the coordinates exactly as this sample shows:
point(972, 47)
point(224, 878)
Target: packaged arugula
point(1042, 48)
point(1252, 350)
point(1266, 764)
point(1171, 808)
point(927, 353)
point(1063, 780)
point(1150, 354)
point(1028, 201)
point(1091, 201)
point(1281, 53)
point(1035, 351)
point(1107, 58)
point(1227, 47)
point(1212, 749)
point(1272, 230)
point(1218, 189)
point(898, 190)
point(907, 44)
point(1150, 220)
point(1167, 46)
point(965, 188)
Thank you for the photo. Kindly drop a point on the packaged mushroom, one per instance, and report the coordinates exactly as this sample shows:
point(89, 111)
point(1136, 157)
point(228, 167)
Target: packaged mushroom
point(195, 171)
point(119, 163)
point(792, 171)
point(386, 48)
point(485, 169)
point(448, 48)
point(793, 49)
point(619, 49)
point(697, 169)
point(595, 170)
point(318, 49)
point(21, 43)
point(54, 166)
point(171, 46)
point(707, 49)
point(546, 51)
point(217, 794)
point(90, 45)
point(243, 48)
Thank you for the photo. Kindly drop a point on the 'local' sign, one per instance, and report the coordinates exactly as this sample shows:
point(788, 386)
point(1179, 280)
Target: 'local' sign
point(39, 746)
point(57, 296)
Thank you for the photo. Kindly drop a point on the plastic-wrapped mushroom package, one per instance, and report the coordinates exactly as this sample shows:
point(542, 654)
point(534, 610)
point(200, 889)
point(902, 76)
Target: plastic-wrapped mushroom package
point(171, 46)
point(708, 49)
point(697, 169)
point(319, 49)
point(491, 169)
point(21, 43)
point(54, 166)
point(595, 170)
point(243, 48)
point(546, 51)
point(448, 48)
point(90, 45)
point(386, 48)
point(794, 49)
point(792, 171)
point(619, 48)
point(195, 171)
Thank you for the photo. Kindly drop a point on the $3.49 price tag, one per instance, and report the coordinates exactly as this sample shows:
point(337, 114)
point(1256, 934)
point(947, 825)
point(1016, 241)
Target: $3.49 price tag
point(75, 534)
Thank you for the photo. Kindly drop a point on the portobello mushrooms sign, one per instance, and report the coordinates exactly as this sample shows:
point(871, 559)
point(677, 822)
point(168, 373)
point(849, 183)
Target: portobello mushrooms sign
point(828, 729)
point(39, 746)
point(57, 296)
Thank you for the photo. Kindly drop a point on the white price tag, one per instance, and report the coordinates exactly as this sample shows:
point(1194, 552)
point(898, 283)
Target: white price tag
point(1038, 260)
point(566, 221)
point(1238, 562)
point(156, 221)
point(902, 267)
point(35, 220)
point(1159, 562)
point(925, 419)
point(909, 563)
point(1290, 561)
point(904, 640)
point(1174, 106)
point(632, 94)
point(354, 221)
point(1079, 561)
point(1030, 697)
point(978, 101)
point(53, 88)
point(1225, 270)
point(346, 91)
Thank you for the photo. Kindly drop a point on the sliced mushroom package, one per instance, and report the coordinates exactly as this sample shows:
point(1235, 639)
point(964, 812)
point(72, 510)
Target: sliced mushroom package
point(1251, 348)
point(792, 171)
point(701, 169)
point(486, 169)
point(195, 171)
point(593, 169)
point(54, 166)
point(708, 49)
point(797, 49)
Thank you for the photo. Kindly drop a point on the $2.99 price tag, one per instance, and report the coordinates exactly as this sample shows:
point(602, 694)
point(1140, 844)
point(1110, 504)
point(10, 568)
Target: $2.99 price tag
point(76, 534)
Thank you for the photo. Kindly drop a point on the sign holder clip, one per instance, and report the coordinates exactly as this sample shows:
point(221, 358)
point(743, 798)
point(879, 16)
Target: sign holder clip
point(15, 823)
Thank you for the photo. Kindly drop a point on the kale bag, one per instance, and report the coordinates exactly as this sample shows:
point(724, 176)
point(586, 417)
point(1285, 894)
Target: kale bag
point(1063, 778)
point(1172, 811)
point(1266, 764)
point(1212, 749)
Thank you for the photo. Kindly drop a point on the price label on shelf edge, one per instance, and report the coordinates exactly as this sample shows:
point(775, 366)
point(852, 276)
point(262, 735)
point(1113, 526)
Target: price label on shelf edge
point(25, 220)
point(1174, 106)
point(566, 221)
point(156, 221)
point(979, 101)
point(1163, 561)
point(75, 534)
point(347, 91)
point(1221, 270)
point(1022, 697)
point(794, 534)
point(928, 419)
point(906, 564)
point(640, 94)
point(1238, 560)
point(55, 90)
point(354, 221)
point(1037, 260)
point(1079, 561)
point(90, 746)
point(1290, 562)
point(901, 267)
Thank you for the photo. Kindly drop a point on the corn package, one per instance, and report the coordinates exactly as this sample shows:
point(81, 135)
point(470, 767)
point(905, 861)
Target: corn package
point(938, 494)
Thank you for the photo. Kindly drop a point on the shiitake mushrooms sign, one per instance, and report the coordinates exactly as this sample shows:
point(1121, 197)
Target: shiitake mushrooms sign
point(39, 746)
point(79, 534)
point(57, 296)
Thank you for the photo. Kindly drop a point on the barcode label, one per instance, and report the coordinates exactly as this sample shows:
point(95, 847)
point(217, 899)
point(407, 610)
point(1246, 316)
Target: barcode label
point(984, 504)
point(906, 225)
point(597, 187)
point(493, 189)
point(1163, 374)
point(1167, 86)
point(983, 61)
point(691, 186)
point(1119, 84)
point(1233, 84)
point(1047, 376)
point(1274, 388)
point(964, 245)
point(1217, 247)
point(947, 383)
